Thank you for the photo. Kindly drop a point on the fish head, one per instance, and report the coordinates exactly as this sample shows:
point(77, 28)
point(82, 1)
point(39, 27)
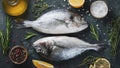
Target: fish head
point(77, 21)
point(43, 47)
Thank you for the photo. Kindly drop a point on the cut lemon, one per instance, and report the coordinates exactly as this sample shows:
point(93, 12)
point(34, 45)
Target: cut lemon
point(100, 63)
point(76, 3)
point(42, 64)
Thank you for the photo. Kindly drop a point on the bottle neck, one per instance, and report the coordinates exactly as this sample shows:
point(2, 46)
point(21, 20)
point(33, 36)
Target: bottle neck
point(13, 2)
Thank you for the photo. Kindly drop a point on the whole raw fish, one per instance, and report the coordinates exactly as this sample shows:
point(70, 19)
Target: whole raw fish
point(58, 21)
point(60, 48)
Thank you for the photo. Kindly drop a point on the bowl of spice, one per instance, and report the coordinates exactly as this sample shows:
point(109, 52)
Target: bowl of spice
point(18, 54)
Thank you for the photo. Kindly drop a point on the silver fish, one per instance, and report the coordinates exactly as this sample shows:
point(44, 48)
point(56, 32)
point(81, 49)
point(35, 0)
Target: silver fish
point(58, 21)
point(58, 48)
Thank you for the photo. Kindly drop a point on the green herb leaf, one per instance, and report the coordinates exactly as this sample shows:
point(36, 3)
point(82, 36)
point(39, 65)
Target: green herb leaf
point(94, 32)
point(114, 36)
point(30, 35)
point(38, 7)
point(5, 36)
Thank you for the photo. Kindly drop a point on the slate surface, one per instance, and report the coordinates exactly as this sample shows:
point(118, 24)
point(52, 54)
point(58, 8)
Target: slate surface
point(17, 35)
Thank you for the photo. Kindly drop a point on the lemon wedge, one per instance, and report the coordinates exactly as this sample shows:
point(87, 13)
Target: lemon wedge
point(42, 64)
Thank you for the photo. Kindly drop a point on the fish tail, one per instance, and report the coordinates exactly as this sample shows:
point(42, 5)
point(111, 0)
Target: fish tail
point(27, 23)
point(102, 46)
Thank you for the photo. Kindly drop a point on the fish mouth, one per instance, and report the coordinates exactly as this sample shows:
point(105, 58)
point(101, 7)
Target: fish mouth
point(85, 23)
point(37, 48)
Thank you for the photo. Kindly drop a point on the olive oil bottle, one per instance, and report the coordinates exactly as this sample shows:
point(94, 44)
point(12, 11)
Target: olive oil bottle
point(15, 7)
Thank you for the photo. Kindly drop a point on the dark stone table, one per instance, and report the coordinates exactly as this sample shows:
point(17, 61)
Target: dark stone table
point(17, 35)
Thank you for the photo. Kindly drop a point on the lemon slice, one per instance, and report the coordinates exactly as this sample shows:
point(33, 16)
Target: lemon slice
point(42, 64)
point(100, 63)
point(76, 3)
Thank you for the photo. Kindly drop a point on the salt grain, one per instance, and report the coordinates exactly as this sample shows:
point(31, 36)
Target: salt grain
point(63, 5)
point(87, 12)
point(64, 0)
point(105, 39)
point(53, 5)
point(98, 28)
point(104, 33)
point(83, 9)
point(81, 14)
point(79, 10)
point(97, 25)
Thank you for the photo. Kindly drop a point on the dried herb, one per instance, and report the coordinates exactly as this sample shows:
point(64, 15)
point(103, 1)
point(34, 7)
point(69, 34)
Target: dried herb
point(30, 35)
point(5, 36)
point(89, 60)
point(94, 32)
point(38, 7)
point(114, 36)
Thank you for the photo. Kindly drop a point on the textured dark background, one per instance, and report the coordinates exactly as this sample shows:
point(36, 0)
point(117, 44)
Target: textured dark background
point(17, 35)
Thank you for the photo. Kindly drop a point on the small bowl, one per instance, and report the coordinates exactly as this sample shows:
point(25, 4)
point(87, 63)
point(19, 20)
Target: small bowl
point(98, 14)
point(18, 54)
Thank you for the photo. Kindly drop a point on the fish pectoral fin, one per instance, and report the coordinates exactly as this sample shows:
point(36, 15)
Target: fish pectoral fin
point(62, 21)
point(60, 46)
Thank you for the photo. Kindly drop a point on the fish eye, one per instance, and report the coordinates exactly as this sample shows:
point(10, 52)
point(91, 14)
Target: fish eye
point(40, 49)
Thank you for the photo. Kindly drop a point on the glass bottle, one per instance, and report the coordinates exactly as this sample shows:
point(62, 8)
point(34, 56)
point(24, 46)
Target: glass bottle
point(15, 7)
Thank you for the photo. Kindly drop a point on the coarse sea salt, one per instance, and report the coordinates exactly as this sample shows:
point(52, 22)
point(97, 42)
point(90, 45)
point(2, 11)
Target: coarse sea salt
point(99, 9)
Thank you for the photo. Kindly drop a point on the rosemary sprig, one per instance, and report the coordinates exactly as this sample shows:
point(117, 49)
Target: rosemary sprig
point(114, 36)
point(30, 35)
point(94, 32)
point(89, 60)
point(5, 37)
